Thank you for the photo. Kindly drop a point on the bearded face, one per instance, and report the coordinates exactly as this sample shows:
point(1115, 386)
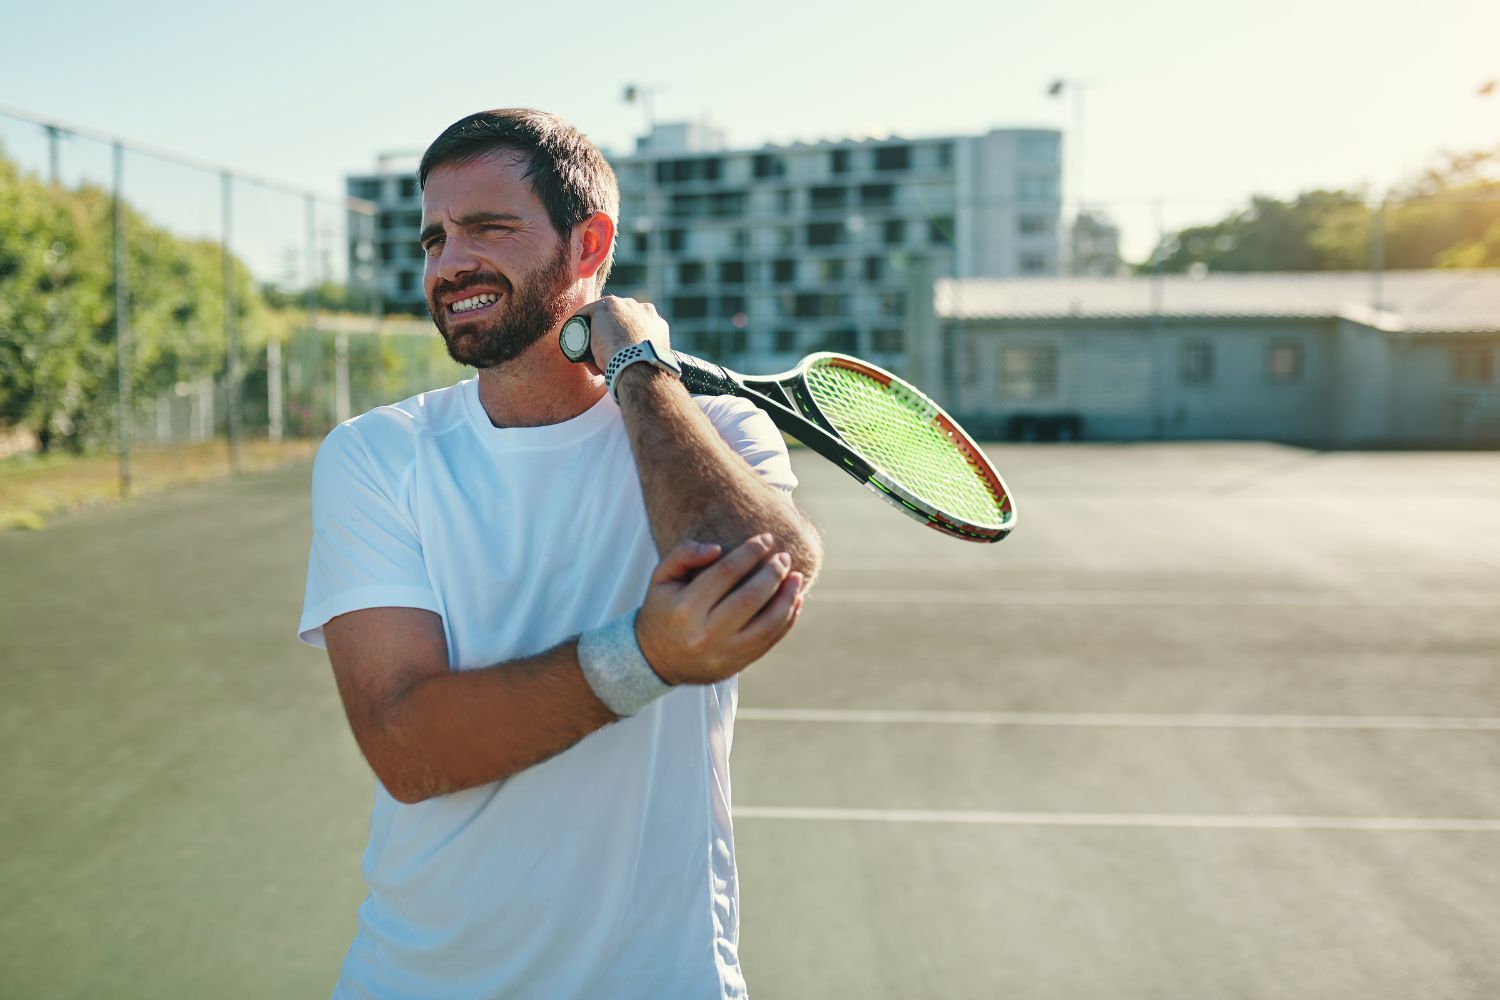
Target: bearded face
point(490, 327)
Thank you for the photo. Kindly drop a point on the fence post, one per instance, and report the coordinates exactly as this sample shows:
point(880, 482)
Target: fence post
point(274, 404)
point(232, 409)
point(122, 322)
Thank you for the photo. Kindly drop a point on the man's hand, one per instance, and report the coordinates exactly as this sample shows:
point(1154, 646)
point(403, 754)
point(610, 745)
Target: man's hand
point(616, 323)
point(707, 617)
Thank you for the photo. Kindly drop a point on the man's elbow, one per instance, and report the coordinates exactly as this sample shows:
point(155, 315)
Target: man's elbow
point(805, 546)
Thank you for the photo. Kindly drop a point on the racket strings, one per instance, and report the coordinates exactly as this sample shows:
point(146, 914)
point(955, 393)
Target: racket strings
point(900, 434)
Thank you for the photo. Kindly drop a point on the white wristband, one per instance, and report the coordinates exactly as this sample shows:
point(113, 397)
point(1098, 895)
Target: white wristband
point(616, 669)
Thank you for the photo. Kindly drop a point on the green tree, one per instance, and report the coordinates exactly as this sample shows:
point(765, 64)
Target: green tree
point(58, 373)
point(1447, 217)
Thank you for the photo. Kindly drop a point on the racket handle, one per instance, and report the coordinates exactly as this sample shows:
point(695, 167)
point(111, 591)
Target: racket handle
point(704, 377)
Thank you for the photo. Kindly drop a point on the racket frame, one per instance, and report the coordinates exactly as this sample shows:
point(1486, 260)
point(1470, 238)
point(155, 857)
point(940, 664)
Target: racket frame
point(785, 398)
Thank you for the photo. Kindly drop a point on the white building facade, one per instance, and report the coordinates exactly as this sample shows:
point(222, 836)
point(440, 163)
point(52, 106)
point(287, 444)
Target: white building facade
point(759, 256)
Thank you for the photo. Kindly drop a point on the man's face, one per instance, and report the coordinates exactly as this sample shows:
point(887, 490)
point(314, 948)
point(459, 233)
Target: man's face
point(498, 275)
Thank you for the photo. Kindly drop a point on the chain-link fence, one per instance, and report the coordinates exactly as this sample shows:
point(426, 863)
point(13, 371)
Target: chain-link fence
point(150, 299)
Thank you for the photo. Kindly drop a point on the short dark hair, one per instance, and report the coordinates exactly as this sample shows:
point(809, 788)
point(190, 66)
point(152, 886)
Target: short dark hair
point(570, 176)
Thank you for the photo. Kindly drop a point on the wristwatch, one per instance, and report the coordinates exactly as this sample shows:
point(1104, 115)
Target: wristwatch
point(643, 351)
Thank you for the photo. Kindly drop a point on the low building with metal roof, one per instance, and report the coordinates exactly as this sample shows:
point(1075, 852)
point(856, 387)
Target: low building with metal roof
point(1361, 359)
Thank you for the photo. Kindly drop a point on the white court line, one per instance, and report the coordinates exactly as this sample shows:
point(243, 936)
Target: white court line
point(1166, 598)
point(1122, 820)
point(1118, 719)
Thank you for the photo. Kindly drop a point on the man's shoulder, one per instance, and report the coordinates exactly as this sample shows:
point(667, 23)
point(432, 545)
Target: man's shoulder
point(389, 436)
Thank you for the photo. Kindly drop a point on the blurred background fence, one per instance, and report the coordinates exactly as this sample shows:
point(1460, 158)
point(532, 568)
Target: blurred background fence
point(148, 299)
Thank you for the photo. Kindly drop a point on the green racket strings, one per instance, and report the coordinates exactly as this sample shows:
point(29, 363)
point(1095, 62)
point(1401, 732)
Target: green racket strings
point(905, 442)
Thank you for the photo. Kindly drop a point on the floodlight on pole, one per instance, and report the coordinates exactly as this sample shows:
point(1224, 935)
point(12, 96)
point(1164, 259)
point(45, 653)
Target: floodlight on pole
point(1056, 89)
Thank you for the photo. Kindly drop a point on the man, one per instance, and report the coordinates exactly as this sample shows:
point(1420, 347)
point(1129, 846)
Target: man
point(536, 590)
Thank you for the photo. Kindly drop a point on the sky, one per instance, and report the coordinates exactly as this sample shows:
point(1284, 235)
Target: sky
point(1195, 105)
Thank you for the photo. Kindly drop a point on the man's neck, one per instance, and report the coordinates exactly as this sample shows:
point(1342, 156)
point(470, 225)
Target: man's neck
point(540, 387)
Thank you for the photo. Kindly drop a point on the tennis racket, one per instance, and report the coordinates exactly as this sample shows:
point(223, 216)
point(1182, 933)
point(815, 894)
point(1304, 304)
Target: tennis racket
point(870, 423)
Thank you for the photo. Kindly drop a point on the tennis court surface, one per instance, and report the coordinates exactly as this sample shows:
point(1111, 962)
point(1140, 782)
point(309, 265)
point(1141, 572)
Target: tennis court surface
point(1218, 720)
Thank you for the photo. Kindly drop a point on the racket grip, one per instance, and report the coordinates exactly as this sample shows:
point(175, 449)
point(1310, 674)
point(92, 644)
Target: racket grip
point(704, 377)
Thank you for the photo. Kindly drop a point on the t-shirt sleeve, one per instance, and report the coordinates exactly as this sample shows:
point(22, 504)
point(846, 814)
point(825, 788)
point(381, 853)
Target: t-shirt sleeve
point(365, 552)
point(752, 434)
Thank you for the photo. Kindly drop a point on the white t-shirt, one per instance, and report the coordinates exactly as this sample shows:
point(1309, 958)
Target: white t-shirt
point(609, 869)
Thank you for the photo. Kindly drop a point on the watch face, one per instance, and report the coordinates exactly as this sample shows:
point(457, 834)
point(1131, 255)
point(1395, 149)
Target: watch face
point(575, 338)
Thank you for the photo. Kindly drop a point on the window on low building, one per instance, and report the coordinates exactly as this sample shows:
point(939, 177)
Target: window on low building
point(1028, 371)
point(1284, 361)
point(1472, 365)
point(1195, 363)
point(888, 341)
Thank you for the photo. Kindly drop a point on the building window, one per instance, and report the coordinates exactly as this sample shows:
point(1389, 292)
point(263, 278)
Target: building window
point(831, 270)
point(809, 305)
point(874, 267)
point(944, 151)
point(895, 232)
point(679, 171)
point(689, 307)
point(877, 195)
point(785, 341)
point(1033, 263)
point(721, 343)
point(642, 242)
point(406, 281)
point(783, 272)
point(839, 161)
point(1028, 371)
point(842, 341)
point(732, 272)
point(1036, 225)
point(893, 158)
point(1472, 366)
point(826, 199)
point(627, 276)
point(888, 341)
point(768, 165)
point(1036, 187)
point(1037, 149)
point(940, 231)
point(892, 303)
point(676, 240)
point(1284, 361)
point(1195, 363)
point(825, 234)
point(408, 187)
point(690, 272)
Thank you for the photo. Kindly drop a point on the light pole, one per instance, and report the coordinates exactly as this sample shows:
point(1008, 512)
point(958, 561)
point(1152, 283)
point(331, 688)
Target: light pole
point(655, 232)
point(1075, 150)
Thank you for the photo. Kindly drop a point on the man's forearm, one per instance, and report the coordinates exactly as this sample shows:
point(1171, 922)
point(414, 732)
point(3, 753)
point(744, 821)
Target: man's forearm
point(466, 728)
point(695, 486)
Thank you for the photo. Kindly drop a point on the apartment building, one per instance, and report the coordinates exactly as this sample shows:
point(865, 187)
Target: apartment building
point(757, 256)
